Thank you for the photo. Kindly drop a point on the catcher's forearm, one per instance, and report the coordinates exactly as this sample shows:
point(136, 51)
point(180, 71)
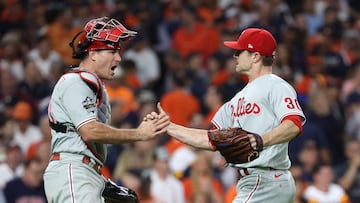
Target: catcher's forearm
point(99, 132)
point(197, 138)
point(286, 131)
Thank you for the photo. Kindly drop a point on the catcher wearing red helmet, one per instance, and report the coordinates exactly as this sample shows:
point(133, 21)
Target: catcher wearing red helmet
point(79, 115)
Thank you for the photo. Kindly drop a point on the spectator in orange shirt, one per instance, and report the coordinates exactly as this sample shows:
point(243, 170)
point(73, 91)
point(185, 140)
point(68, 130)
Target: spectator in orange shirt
point(61, 32)
point(180, 105)
point(192, 36)
point(121, 94)
point(130, 77)
point(179, 102)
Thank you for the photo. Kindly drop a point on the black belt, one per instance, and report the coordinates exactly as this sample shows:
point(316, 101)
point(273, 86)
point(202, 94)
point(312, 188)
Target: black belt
point(62, 127)
point(86, 160)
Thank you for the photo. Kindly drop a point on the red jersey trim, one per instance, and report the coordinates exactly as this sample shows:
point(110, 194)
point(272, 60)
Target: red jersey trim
point(296, 120)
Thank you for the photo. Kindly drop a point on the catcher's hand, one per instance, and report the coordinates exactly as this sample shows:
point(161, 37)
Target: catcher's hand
point(114, 193)
point(234, 144)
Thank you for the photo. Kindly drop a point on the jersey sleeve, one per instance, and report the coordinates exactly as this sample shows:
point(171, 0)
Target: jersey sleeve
point(221, 119)
point(283, 99)
point(80, 103)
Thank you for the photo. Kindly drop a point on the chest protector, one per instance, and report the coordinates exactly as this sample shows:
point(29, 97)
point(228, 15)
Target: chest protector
point(98, 87)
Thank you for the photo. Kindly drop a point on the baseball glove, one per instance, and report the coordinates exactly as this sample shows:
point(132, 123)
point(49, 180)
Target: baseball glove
point(234, 145)
point(114, 193)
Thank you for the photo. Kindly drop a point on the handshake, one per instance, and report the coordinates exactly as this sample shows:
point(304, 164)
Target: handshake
point(236, 145)
point(154, 124)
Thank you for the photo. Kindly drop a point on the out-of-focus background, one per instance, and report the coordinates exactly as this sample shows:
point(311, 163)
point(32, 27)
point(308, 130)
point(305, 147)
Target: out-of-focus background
point(178, 58)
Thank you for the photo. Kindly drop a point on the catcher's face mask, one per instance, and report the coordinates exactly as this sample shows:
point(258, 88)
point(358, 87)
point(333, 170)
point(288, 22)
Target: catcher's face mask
point(100, 34)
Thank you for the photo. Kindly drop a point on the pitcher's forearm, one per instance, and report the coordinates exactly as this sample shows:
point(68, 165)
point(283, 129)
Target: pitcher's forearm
point(283, 133)
point(197, 138)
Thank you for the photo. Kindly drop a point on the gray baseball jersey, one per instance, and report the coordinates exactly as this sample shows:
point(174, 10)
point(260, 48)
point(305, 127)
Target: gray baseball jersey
point(259, 107)
point(73, 102)
point(78, 97)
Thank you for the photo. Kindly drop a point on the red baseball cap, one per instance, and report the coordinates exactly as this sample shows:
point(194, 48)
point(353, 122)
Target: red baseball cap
point(99, 45)
point(254, 40)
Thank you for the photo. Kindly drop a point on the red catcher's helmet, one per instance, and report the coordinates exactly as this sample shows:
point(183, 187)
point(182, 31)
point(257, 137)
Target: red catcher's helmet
point(101, 33)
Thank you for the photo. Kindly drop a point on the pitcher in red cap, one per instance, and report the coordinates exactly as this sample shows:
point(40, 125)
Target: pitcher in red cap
point(266, 106)
point(79, 116)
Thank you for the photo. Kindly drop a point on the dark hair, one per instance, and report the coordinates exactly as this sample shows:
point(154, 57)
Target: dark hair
point(268, 60)
point(319, 166)
point(31, 160)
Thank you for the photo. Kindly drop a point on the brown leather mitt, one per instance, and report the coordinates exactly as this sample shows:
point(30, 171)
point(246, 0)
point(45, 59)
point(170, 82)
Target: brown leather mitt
point(234, 144)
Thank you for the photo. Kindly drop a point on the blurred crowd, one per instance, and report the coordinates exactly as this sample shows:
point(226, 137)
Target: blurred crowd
point(178, 58)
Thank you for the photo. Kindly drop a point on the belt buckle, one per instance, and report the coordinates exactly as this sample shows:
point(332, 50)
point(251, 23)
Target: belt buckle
point(243, 172)
point(98, 168)
point(93, 164)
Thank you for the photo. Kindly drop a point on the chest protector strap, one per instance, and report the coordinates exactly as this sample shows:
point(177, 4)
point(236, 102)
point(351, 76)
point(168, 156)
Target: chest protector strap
point(93, 81)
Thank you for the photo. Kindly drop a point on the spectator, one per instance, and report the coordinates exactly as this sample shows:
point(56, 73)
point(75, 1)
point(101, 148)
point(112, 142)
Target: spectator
point(34, 82)
point(8, 93)
point(174, 64)
point(132, 179)
point(308, 158)
point(311, 134)
point(12, 166)
point(202, 180)
point(25, 132)
point(145, 193)
point(234, 82)
point(313, 78)
point(6, 135)
point(352, 126)
point(41, 149)
point(146, 60)
point(198, 37)
point(347, 174)
point(351, 83)
point(313, 19)
point(13, 16)
point(11, 55)
point(139, 156)
point(44, 56)
point(182, 109)
point(61, 31)
point(179, 110)
point(197, 74)
point(319, 112)
point(164, 186)
point(122, 95)
point(129, 74)
point(29, 187)
point(300, 184)
point(324, 190)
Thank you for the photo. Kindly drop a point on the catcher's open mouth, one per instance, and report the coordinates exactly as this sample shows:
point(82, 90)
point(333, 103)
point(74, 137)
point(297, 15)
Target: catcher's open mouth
point(113, 68)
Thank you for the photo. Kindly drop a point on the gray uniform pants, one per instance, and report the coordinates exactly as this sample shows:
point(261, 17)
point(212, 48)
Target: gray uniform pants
point(70, 180)
point(265, 185)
